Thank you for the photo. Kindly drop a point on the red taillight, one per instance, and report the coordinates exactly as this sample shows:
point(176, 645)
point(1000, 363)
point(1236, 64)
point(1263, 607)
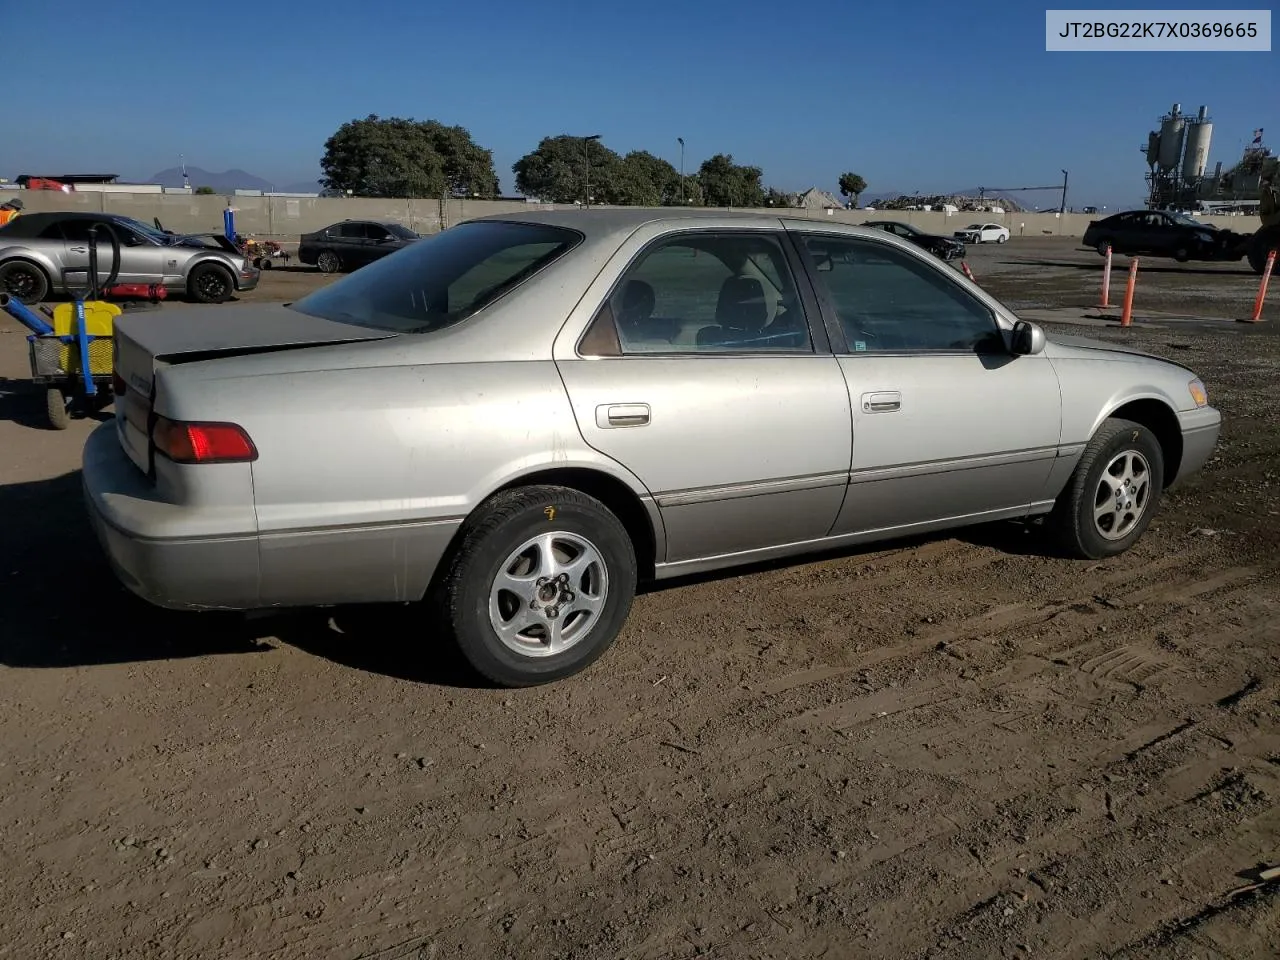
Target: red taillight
point(118, 385)
point(202, 442)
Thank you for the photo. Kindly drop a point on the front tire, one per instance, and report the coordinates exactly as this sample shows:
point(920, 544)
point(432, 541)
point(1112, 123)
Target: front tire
point(210, 283)
point(1113, 493)
point(538, 585)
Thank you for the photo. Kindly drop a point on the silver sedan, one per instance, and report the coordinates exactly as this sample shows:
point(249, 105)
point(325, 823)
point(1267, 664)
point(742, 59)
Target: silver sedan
point(47, 254)
point(516, 420)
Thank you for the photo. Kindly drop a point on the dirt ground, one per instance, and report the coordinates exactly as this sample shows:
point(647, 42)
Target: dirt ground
point(957, 747)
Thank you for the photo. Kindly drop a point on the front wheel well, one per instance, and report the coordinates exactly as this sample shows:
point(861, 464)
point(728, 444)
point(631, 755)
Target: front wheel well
point(1159, 418)
point(616, 496)
point(48, 278)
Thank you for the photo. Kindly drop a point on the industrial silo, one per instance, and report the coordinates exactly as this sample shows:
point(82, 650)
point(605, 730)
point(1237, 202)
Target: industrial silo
point(1153, 148)
point(1196, 158)
point(1171, 131)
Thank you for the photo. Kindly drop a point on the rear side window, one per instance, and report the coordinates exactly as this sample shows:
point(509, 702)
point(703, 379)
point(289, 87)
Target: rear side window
point(440, 280)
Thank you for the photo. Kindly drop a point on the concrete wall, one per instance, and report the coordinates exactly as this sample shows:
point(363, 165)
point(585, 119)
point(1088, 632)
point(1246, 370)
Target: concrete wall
point(284, 218)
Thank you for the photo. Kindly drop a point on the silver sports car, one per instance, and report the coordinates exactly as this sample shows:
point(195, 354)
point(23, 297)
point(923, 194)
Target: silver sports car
point(517, 419)
point(47, 254)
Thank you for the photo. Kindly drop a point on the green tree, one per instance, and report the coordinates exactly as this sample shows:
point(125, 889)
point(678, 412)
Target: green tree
point(646, 180)
point(779, 198)
point(851, 185)
point(727, 184)
point(397, 157)
point(557, 171)
point(205, 191)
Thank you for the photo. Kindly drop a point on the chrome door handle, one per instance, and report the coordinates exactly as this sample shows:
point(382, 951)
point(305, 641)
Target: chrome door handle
point(885, 402)
point(622, 415)
point(79, 249)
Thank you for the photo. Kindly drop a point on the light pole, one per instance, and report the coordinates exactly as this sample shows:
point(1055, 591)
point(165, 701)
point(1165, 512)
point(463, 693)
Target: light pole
point(1062, 208)
point(586, 159)
point(681, 141)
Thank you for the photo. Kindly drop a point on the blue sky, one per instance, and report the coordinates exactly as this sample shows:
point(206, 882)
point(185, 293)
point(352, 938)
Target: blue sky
point(922, 96)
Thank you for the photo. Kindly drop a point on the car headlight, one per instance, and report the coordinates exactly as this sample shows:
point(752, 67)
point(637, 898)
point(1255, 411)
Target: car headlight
point(1198, 392)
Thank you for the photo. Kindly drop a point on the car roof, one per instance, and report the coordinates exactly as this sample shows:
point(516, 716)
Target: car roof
point(603, 221)
point(30, 224)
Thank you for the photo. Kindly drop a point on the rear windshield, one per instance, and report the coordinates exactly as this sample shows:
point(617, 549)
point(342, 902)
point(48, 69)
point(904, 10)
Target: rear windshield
point(442, 279)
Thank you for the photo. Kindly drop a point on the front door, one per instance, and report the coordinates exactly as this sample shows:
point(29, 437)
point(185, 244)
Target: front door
point(141, 261)
point(948, 424)
point(700, 374)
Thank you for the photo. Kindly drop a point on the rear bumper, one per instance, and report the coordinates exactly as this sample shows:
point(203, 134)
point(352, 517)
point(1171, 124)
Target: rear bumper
point(182, 573)
point(1200, 431)
point(248, 280)
point(236, 570)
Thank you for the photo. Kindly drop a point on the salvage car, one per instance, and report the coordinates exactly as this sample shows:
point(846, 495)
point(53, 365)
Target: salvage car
point(983, 233)
point(352, 244)
point(948, 248)
point(46, 255)
point(1164, 233)
point(514, 422)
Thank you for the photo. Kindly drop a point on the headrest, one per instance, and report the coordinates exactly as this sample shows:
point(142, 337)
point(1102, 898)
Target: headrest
point(638, 300)
point(741, 305)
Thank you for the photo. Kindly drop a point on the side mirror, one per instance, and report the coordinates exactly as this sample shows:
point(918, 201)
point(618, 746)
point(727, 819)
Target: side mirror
point(1028, 339)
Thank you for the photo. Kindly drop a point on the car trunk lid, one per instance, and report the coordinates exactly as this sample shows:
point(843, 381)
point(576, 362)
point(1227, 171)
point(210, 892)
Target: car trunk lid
point(145, 341)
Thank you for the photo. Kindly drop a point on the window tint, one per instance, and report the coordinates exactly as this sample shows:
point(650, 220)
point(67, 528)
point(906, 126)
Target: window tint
point(52, 232)
point(438, 281)
point(351, 231)
point(704, 293)
point(376, 231)
point(888, 302)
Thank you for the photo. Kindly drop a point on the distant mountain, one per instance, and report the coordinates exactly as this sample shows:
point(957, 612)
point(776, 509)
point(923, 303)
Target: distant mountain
point(229, 180)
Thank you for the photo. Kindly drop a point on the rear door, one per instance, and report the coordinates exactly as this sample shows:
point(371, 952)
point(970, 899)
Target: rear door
point(948, 425)
point(354, 244)
point(701, 373)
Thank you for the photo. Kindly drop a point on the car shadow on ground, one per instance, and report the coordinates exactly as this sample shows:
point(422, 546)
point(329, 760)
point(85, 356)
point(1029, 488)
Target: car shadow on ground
point(62, 606)
point(1146, 267)
point(23, 402)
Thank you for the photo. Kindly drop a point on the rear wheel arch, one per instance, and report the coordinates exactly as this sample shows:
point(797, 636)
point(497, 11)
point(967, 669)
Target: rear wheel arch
point(615, 494)
point(35, 265)
point(1160, 418)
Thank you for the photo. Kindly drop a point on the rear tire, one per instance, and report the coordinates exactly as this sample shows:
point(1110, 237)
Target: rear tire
point(328, 262)
point(509, 626)
point(24, 281)
point(1102, 247)
point(1112, 494)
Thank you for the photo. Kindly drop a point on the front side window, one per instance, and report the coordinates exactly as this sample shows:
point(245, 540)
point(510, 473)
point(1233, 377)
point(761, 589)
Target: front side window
point(703, 292)
point(887, 301)
point(442, 279)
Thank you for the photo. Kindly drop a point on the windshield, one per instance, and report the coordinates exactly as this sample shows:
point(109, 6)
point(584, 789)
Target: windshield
point(442, 279)
point(404, 233)
point(151, 233)
point(1186, 221)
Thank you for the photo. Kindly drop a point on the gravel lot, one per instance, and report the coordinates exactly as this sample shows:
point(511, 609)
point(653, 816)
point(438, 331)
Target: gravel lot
point(955, 747)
